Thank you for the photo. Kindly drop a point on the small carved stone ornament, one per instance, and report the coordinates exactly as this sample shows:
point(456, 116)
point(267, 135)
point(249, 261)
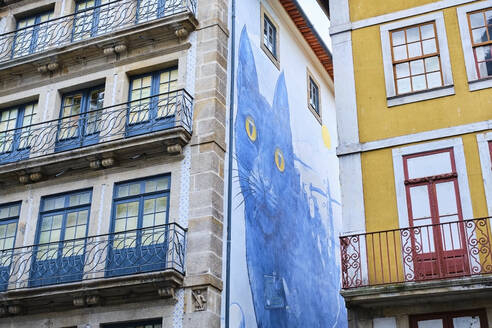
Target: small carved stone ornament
point(199, 299)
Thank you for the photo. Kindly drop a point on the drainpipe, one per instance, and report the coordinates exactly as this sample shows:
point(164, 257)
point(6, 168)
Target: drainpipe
point(229, 173)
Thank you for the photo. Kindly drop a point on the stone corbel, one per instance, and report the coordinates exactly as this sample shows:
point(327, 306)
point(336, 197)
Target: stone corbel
point(175, 149)
point(26, 178)
point(104, 163)
point(12, 309)
point(50, 67)
point(181, 32)
point(86, 300)
point(117, 49)
point(166, 292)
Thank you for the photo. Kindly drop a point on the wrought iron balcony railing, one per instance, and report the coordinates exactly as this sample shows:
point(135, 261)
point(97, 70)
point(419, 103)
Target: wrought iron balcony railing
point(428, 252)
point(143, 116)
point(87, 23)
point(130, 252)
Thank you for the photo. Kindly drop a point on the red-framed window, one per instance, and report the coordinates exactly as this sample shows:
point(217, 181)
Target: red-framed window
point(480, 26)
point(469, 318)
point(435, 214)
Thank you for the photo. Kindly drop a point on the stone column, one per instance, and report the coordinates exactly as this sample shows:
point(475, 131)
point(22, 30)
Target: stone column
point(203, 282)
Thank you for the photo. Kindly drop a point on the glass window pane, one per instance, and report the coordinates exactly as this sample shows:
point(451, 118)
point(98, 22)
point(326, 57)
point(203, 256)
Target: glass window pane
point(434, 80)
point(467, 322)
point(479, 35)
point(134, 188)
point(435, 323)
point(429, 46)
point(417, 67)
point(398, 38)
point(419, 83)
point(403, 85)
point(429, 165)
point(477, 20)
point(414, 50)
point(427, 31)
point(400, 52)
point(413, 34)
point(432, 64)
point(402, 70)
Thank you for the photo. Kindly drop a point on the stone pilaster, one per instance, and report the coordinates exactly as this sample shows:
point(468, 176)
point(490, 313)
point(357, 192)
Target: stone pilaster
point(203, 280)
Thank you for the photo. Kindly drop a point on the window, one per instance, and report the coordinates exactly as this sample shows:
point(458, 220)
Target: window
point(475, 23)
point(270, 40)
point(433, 199)
point(270, 36)
point(140, 213)
point(157, 323)
point(152, 101)
point(471, 318)
point(31, 35)
point(60, 239)
point(80, 118)
point(481, 36)
point(313, 96)
point(15, 126)
point(416, 59)
point(9, 216)
point(92, 18)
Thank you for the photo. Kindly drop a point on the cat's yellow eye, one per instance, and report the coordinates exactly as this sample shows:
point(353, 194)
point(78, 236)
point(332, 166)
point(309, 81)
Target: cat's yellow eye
point(251, 128)
point(279, 160)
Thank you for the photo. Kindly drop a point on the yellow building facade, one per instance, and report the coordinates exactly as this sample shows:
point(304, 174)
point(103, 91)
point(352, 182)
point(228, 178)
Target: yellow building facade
point(413, 86)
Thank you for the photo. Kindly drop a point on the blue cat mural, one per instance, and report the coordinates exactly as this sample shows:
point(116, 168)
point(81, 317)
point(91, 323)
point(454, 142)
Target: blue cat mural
point(290, 258)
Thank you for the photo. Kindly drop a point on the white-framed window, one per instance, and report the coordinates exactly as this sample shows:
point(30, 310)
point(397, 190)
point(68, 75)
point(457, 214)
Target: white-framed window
point(416, 59)
point(475, 23)
point(313, 96)
point(437, 166)
point(484, 142)
point(270, 36)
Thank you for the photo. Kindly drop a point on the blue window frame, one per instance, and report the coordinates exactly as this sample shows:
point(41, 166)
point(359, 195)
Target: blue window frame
point(152, 9)
point(9, 216)
point(59, 253)
point(152, 104)
point(15, 127)
point(92, 17)
point(31, 35)
point(138, 240)
point(155, 323)
point(80, 118)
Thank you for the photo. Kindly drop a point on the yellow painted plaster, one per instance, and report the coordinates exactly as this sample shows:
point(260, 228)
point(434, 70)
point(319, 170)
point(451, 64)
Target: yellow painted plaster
point(361, 9)
point(377, 121)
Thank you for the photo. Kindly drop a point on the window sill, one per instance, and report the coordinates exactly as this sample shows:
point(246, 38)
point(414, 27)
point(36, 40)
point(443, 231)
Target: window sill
point(274, 60)
point(480, 84)
point(316, 114)
point(420, 96)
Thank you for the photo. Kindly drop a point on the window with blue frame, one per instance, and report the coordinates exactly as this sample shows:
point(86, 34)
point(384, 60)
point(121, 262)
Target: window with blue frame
point(15, 127)
point(139, 233)
point(314, 95)
point(32, 34)
point(80, 118)
point(92, 17)
point(152, 101)
point(156, 323)
point(59, 254)
point(9, 216)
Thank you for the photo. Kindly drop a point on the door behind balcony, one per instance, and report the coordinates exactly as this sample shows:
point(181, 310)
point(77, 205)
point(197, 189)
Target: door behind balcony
point(434, 209)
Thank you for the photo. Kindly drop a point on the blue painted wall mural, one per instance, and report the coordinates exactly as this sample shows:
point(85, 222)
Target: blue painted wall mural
point(289, 237)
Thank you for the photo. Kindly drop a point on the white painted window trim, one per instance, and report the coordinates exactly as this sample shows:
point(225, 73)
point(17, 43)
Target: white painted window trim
point(485, 161)
point(474, 83)
point(459, 157)
point(446, 90)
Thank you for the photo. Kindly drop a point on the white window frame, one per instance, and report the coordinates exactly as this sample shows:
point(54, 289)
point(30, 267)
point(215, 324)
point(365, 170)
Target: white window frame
point(459, 157)
point(486, 163)
point(474, 83)
point(447, 89)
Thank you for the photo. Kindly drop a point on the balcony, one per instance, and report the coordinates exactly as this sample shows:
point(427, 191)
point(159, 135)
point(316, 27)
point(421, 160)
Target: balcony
point(98, 138)
point(112, 22)
point(142, 264)
point(441, 259)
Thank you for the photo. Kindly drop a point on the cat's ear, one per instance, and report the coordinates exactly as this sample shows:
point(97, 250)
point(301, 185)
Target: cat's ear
point(247, 76)
point(281, 99)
